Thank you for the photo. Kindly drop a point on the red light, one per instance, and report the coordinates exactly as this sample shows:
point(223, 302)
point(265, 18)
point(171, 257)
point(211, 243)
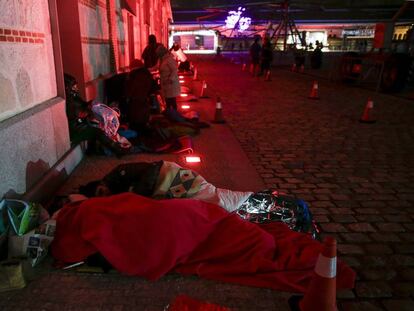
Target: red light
point(181, 81)
point(192, 159)
point(185, 106)
point(181, 77)
point(184, 95)
point(356, 68)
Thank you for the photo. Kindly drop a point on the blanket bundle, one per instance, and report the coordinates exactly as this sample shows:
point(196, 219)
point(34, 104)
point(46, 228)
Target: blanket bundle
point(145, 237)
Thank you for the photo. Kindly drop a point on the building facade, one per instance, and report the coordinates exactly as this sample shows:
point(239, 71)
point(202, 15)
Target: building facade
point(40, 40)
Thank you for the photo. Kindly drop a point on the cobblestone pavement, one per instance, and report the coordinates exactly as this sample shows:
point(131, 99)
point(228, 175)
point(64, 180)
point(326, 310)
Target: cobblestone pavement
point(358, 178)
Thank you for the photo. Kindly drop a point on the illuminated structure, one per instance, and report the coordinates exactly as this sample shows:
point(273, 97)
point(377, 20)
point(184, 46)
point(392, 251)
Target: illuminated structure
point(235, 20)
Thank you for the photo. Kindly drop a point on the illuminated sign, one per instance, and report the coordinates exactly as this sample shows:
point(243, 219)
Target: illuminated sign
point(359, 32)
point(236, 20)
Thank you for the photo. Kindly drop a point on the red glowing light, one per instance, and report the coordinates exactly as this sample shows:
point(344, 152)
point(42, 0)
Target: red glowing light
point(185, 106)
point(181, 77)
point(184, 95)
point(181, 81)
point(356, 68)
point(192, 159)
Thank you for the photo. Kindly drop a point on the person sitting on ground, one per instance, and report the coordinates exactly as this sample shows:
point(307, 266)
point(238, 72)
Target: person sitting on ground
point(170, 84)
point(83, 126)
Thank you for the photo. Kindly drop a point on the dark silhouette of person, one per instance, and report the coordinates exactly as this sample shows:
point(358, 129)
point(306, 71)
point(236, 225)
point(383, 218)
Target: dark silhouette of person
point(255, 50)
point(266, 56)
point(149, 56)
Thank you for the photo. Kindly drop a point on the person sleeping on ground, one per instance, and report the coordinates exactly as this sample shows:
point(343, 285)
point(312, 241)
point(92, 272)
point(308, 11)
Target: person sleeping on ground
point(140, 236)
point(168, 180)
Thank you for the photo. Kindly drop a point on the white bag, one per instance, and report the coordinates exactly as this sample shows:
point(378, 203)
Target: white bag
point(34, 244)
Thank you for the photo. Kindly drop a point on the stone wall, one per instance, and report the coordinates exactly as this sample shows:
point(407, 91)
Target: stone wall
point(27, 71)
point(33, 124)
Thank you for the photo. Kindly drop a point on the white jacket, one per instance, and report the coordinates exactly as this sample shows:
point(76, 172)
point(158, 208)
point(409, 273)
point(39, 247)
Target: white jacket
point(170, 84)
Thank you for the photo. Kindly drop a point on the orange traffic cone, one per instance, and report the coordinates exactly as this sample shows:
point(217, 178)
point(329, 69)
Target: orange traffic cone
point(367, 114)
point(218, 116)
point(252, 69)
point(267, 76)
point(314, 94)
point(195, 74)
point(321, 293)
point(244, 67)
point(203, 89)
point(302, 68)
point(293, 67)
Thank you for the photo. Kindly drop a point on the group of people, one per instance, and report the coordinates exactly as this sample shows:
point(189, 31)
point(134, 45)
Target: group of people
point(132, 95)
point(156, 54)
point(261, 56)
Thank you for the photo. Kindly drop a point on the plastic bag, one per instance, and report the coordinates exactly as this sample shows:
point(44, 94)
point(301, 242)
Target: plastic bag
point(108, 118)
point(4, 229)
point(267, 206)
point(22, 216)
point(34, 244)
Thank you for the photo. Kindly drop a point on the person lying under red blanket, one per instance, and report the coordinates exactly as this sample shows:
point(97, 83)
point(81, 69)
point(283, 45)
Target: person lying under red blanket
point(149, 238)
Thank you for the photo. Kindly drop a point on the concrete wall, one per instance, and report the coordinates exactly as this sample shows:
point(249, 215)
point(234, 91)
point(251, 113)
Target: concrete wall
point(27, 71)
point(33, 123)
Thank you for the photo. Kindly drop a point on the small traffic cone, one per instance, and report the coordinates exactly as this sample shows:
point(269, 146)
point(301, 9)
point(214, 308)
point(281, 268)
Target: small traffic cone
point(251, 69)
point(314, 94)
point(367, 114)
point(293, 67)
point(218, 116)
point(195, 74)
point(302, 68)
point(267, 76)
point(203, 89)
point(321, 293)
point(244, 67)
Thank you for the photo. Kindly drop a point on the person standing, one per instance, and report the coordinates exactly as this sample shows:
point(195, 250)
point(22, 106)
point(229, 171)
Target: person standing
point(266, 56)
point(255, 49)
point(149, 56)
point(170, 84)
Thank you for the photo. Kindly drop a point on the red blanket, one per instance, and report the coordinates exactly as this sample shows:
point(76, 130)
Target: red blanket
point(145, 237)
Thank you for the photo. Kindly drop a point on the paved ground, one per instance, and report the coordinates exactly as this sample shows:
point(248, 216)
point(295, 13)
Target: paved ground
point(358, 179)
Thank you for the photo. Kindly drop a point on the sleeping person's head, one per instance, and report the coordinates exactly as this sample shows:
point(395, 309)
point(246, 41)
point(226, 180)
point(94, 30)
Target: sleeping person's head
point(96, 188)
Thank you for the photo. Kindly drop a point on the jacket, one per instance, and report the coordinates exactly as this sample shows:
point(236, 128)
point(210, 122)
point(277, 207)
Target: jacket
point(170, 84)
